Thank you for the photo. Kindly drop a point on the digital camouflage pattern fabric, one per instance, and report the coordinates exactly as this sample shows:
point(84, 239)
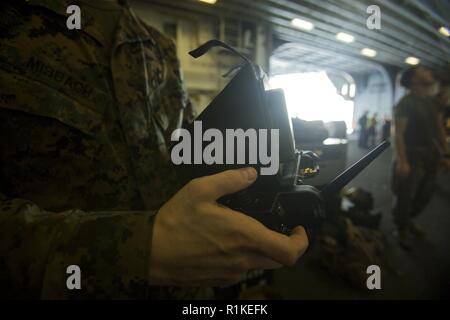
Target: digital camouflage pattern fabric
point(83, 143)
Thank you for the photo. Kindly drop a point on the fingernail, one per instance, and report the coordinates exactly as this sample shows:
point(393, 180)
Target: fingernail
point(251, 174)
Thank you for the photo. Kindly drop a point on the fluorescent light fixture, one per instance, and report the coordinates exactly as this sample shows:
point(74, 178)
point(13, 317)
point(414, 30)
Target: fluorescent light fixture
point(302, 24)
point(345, 37)
point(368, 52)
point(412, 61)
point(444, 31)
point(208, 1)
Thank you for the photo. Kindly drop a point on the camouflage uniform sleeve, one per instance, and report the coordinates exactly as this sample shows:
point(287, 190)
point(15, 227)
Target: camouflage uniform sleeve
point(36, 247)
point(189, 114)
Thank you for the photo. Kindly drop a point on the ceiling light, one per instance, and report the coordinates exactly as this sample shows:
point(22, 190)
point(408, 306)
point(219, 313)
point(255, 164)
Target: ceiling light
point(345, 37)
point(444, 31)
point(208, 1)
point(412, 61)
point(368, 52)
point(302, 24)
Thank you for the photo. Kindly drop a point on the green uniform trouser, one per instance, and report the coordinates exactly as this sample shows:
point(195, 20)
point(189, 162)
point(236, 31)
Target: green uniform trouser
point(413, 192)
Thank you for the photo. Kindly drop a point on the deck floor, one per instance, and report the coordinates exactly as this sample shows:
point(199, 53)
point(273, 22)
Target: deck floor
point(422, 273)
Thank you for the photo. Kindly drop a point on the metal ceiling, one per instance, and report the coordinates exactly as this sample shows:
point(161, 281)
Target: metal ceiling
point(295, 57)
point(408, 28)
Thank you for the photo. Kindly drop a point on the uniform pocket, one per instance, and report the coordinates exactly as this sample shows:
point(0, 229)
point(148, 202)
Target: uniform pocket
point(21, 93)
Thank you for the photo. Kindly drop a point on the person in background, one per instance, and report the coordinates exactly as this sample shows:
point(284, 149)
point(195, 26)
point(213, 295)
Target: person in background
point(386, 128)
point(420, 147)
point(362, 122)
point(443, 98)
point(371, 130)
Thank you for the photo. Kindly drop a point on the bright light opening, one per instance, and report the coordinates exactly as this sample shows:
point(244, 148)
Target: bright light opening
point(344, 89)
point(368, 52)
point(345, 37)
point(302, 24)
point(412, 61)
point(312, 96)
point(352, 90)
point(444, 31)
point(208, 1)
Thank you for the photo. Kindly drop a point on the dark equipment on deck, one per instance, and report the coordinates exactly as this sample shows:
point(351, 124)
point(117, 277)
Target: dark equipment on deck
point(281, 201)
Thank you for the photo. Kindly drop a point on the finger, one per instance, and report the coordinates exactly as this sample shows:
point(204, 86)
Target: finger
point(274, 245)
point(286, 249)
point(255, 236)
point(226, 182)
point(258, 261)
point(299, 235)
point(279, 247)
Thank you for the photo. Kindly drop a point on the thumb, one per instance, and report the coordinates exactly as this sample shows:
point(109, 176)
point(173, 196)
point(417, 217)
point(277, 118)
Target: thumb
point(227, 182)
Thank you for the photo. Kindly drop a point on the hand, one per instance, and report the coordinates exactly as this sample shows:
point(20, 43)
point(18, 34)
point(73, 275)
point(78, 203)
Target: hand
point(403, 168)
point(198, 242)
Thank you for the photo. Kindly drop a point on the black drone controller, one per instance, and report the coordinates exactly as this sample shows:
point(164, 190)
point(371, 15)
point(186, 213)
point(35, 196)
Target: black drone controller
point(281, 201)
point(299, 204)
